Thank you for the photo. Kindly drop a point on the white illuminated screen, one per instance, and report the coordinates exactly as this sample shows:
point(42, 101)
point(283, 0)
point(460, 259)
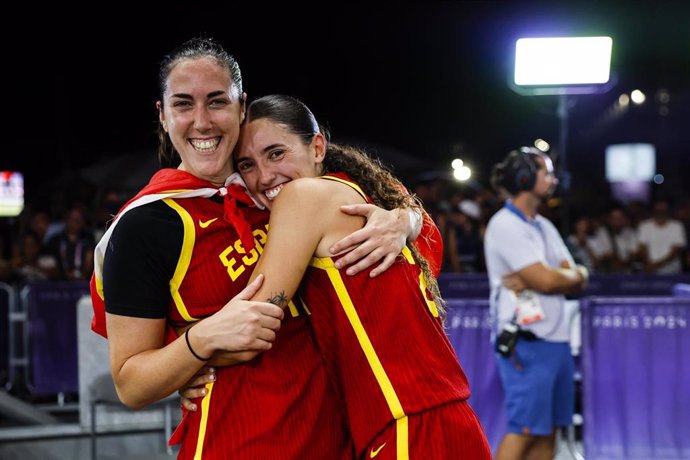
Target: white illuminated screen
point(630, 162)
point(11, 193)
point(563, 60)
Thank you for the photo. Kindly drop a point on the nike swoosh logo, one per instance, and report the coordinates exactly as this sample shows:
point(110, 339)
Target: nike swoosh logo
point(207, 223)
point(375, 452)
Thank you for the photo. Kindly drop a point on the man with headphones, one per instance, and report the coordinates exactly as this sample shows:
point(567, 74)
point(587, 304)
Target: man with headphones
point(530, 270)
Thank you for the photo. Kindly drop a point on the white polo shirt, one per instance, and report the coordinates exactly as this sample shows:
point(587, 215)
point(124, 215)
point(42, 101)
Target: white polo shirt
point(513, 242)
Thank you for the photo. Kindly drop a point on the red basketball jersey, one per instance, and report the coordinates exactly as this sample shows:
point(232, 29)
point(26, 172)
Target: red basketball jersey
point(382, 342)
point(280, 405)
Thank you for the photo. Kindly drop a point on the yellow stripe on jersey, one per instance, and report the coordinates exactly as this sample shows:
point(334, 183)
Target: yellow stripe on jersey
point(408, 255)
point(205, 403)
point(293, 309)
point(185, 258)
point(347, 182)
point(99, 287)
point(402, 438)
point(326, 263)
point(430, 304)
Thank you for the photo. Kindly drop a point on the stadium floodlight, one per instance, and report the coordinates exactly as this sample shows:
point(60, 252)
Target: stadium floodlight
point(562, 65)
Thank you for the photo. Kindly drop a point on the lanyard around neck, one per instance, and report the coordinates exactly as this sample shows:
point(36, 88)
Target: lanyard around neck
point(510, 206)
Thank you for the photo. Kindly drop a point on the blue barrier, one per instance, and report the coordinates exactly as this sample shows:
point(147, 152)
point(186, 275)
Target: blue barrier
point(464, 285)
point(469, 330)
point(636, 284)
point(632, 356)
point(681, 290)
point(52, 311)
point(636, 376)
point(476, 285)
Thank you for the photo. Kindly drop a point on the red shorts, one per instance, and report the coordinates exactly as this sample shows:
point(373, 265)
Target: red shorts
point(448, 431)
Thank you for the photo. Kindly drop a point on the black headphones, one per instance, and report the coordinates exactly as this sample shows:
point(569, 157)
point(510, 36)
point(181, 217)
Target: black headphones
point(517, 172)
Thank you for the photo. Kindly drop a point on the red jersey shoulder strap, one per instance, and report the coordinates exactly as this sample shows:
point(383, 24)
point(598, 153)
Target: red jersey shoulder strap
point(345, 179)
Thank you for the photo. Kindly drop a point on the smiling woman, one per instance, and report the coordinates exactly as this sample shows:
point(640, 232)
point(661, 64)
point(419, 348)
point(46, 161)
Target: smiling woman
point(271, 144)
point(287, 162)
point(202, 117)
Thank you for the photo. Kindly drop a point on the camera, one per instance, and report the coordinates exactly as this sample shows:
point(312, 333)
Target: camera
point(505, 343)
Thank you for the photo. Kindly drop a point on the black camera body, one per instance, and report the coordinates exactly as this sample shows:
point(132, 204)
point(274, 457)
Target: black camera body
point(505, 343)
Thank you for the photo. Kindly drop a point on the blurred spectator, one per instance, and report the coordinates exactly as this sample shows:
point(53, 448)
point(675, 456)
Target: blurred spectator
point(110, 203)
point(600, 244)
point(463, 240)
point(39, 221)
point(73, 246)
point(54, 227)
point(30, 263)
point(662, 241)
point(429, 191)
point(578, 242)
point(637, 212)
point(623, 241)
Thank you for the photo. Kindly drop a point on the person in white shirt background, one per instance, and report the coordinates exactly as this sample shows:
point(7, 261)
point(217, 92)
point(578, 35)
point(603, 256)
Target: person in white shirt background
point(662, 241)
point(530, 270)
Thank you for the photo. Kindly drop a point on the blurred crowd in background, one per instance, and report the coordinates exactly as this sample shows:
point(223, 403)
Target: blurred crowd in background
point(54, 237)
point(606, 237)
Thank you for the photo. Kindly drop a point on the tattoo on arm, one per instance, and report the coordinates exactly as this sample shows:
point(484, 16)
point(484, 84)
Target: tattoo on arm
point(279, 299)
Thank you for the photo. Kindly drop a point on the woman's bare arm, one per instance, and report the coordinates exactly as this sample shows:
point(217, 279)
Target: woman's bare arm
point(305, 221)
point(145, 370)
point(380, 240)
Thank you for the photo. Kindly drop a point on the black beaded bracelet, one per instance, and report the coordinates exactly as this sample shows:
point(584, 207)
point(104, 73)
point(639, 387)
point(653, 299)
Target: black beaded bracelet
point(189, 345)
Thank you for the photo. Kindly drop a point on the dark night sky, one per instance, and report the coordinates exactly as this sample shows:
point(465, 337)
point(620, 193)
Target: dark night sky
point(428, 79)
